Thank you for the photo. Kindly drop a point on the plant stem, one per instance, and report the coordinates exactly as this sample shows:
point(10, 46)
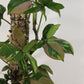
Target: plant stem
point(39, 23)
point(6, 21)
point(34, 25)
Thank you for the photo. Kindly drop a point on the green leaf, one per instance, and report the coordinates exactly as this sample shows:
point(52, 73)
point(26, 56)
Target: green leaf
point(2, 10)
point(2, 81)
point(45, 2)
point(26, 81)
point(42, 80)
point(29, 46)
point(55, 7)
point(33, 10)
point(19, 56)
point(6, 77)
point(52, 30)
point(38, 45)
point(29, 66)
point(23, 66)
point(67, 47)
point(33, 62)
point(2, 43)
point(46, 29)
point(5, 68)
point(14, 3)
point(6, 50)
point(36, 76)
point(47, 68)
point(54, 50)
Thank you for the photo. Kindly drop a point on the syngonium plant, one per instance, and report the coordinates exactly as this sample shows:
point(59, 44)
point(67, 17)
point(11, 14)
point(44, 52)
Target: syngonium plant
point(17, 51)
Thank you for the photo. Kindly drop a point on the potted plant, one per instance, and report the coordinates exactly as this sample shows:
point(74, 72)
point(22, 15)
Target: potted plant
point(16, 52)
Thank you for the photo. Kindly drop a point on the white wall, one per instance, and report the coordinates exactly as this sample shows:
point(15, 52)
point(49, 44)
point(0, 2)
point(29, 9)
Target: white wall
point(71, 71)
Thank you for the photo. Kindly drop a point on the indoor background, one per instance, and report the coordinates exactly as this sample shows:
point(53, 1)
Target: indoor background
point(71, 71)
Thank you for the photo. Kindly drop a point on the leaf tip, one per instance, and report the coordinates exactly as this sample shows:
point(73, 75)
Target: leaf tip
point(72, 53)
point(62, 60)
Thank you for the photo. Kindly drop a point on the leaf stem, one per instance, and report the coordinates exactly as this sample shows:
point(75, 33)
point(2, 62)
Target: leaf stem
point(4, 61)
point(6, 21)
point(39, 23)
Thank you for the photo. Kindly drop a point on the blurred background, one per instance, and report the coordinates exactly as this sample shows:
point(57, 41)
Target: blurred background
point(71, 71)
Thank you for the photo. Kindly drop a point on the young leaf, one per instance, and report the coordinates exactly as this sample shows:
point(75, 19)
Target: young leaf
point(46, 29)
point(52, 30)
point(5, 68)
point(2, 10)
point(29, 46)
point(33, 62)
point(47, 68)
point(55, 7)
point(19, 36)
point(67, 47)
point(54, 51)
point(18, 6)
